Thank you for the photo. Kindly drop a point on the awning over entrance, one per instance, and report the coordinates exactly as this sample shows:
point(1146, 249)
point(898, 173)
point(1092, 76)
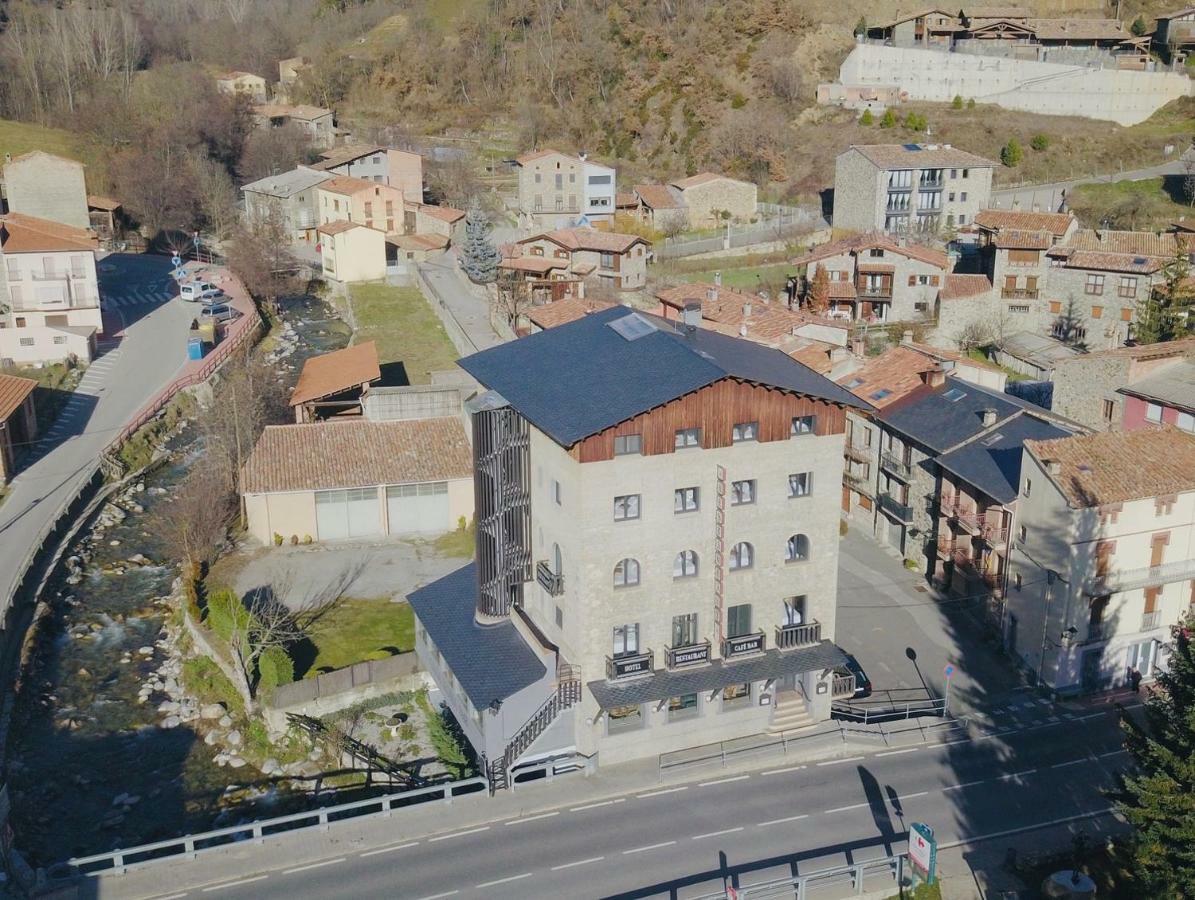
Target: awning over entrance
point(662, 684)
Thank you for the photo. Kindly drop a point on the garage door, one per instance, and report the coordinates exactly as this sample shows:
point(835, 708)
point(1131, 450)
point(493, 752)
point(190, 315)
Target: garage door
point(418, 508)
point(347, 514)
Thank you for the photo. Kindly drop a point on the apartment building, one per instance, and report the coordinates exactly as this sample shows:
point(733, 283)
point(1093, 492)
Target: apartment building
point(873, 278)
point(290, 197)
point(909, 188)
point(557, 190)
point(368, 203)
point(1104, 560)
point(657, 538)
point(400, 169)
point(50, 308)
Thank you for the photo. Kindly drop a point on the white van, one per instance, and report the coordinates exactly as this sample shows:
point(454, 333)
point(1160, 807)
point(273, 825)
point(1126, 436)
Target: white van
point(196, 291)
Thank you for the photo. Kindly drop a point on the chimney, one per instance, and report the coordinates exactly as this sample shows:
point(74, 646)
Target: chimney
point(746, 310)
point(933, 377)
point(691, 315)
point(907, 336)
point(711, 294)
point(718, 278)
point(743, 330)
point(1036, 207)
point(859, 347)
point(1054, 467)
point(988, 417)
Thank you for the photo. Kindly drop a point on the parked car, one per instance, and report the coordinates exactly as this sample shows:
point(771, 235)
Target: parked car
point(862, 682)
point(197, 291)
point(218, 312)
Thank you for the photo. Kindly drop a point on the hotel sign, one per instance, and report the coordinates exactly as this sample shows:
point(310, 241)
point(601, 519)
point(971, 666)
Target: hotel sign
point(622, 667)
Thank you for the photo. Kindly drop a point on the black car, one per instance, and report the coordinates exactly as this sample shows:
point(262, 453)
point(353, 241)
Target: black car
point(862, 682)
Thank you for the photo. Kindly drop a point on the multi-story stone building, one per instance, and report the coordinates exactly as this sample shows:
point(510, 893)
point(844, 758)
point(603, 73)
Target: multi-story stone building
point(1104, 559)
point(909, 188)
point(617, 261)
point(290, 197)
point(400, 169)
point(46, 186)
point(873, 278)
point(657, 539)
point(557, 190)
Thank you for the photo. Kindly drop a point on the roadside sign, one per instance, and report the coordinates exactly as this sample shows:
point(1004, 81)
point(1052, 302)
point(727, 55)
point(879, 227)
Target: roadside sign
point(176, 260)
point(923, 850)
point(195, 239)
point(948, 670)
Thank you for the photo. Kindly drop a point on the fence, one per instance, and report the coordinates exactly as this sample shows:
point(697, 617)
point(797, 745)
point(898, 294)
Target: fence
point(777, 223)
point(190, 846)
point(865, 714)
point(855, 875)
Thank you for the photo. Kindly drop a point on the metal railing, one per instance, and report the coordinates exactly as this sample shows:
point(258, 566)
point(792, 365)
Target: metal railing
point(744, 645)
point(552, 582)
point(891, 505)
point(854, 875)
point(630, 665)
point(1151, 620)
point(1018, 294)
point(873, 293)
point(802, 635)
point(857, 452)
point(1129, 579)
point(191, 845)
point(865, 714)
point(892, 463)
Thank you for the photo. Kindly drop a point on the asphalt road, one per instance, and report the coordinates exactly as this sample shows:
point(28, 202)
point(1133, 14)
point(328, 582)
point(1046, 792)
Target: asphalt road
point(452, 290)
point(119, 382)
point(1049, 197)
point(680, 839)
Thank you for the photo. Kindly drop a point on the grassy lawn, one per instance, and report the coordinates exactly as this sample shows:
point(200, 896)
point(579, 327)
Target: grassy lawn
point(771, 278)
point(405, 327)
point(458, 542)
point(206, 682)
point(1151, 203)
point(22, 137)
point(358, 630)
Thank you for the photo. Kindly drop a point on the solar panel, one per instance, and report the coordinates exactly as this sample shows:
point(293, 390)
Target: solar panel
point(912, 148)
point(881, 394)
point(632, 327)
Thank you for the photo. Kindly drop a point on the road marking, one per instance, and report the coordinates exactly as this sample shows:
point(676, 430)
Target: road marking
point(547, 815)
point(326, 862)
point(783, 771)
point(965, 740)
point(723, 780)
point(580, 862)
point(958, 787)
point(899, 752)
point(911, 796)
point(683, 787)
point(1113, 753)
point(457, 834)
point(438, 896)
point(1089, 716)
point(781, 821)
point(999, 834)
point(228, 884)
point(1013, 775)
point(648, 847)
point(172, 897)
point(699, 837)
point(596, 805)
point(389, 849)
point(838, 809)
point(835, 762)
point(486, 884)
point(1073, 762)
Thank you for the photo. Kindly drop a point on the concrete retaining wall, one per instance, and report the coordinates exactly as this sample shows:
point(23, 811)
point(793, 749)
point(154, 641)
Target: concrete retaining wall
point(1121, 96)
point(342, 688)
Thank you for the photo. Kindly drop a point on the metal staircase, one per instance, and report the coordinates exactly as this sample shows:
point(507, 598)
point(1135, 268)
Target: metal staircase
point(567, 693)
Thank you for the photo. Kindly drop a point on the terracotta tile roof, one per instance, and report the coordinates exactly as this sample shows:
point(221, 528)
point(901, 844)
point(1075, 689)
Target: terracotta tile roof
point(347, 185)
point(20, 233)
point(956, 287)
point(625, 200)
point(997, 219)
point(338, 156)
point(1113, 262)
point(13, 391)
point(331, 373)
point(590, 239)
point(768, 322)
point(659, 196)
point(1079, 29)
point(919, 156)
point(359, 453)
point(1129, 243)
point(841, 290)
point(897, 370)
point(936, 353)
point(418, 241)
point(285, 111)
point(702, 178)
point(97, 201)
point(523, 158)
point(1015, 239)
point(536, 265)
point(1117, 466)
point(1180, 347)
point(338, 227)
point(816, 355)
point(868, 241)
point(443, 213)
point(561, 312)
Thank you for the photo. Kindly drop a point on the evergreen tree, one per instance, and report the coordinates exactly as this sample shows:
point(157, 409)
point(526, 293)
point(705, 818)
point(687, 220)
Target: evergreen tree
point(957, 102)
point(1012, 154)
point(1158, 798)
point(819, 290)
point(479, 256)
point(861, 27)
point(1164, 314)
point(867, 118)
point(1139, 27)
point(889, 119)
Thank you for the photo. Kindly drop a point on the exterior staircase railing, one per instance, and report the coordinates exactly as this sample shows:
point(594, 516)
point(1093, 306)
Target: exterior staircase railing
point(567, 694)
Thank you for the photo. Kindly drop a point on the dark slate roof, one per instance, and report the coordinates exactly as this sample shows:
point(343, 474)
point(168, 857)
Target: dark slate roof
point(993, 462)
point(581, 378)
point(930, 418)
point(662, 684)
point(490, 661)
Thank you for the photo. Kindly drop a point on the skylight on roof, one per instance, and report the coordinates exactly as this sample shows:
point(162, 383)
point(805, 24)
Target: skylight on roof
point(912, 148)
point(1139, 260)
point(954, 395)
point(992, 439)
point(853, 383)
point(632, 327)
point(881, 394)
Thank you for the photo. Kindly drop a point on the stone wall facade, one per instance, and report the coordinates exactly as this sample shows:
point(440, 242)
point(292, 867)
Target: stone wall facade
point(707, 201)
point(49, 187)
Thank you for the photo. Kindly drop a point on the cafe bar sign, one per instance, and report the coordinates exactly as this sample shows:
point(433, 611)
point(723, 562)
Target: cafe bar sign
point(743, 645)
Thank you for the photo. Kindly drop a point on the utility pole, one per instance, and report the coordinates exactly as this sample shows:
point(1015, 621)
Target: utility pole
point(1051, 575)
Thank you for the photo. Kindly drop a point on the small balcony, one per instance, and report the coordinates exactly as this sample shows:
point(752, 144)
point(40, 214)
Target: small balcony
point(873, 292)
point(902, 512)
point(1018, 294)
point(552, 582)
point(744, 645)
point(690, 655)
point(993, 535)
point(890, 462)
point(789, 637)
point(857, 452)
point(629, 665)
point(1151, 620)
point(1131, 579)
point(855, 482)
point(968, 518)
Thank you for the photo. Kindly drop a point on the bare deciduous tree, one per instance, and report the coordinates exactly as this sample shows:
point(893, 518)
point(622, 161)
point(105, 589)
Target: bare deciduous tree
point(197, 517)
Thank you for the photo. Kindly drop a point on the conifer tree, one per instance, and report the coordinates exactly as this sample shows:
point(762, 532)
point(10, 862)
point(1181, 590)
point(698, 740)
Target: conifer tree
point(479, 256)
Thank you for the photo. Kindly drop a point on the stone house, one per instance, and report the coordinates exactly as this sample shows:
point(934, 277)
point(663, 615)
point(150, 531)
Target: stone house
point(245, 84)
point(1167, 397)
point(909, 188)
point(292, 197)
point(315, 122)
point(662, 207)
point(399, 169)
point(874, 278)
point(351, 252)
point(48, 187)
point(1174, 34)
point(710, 198)
point(616, 261)
point(433, 221)
point(557, 190)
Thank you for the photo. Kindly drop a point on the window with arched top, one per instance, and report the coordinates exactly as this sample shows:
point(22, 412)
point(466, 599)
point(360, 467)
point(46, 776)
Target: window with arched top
point(742, 556)
point(797, 549)
point(626, 573)
point(685, 564)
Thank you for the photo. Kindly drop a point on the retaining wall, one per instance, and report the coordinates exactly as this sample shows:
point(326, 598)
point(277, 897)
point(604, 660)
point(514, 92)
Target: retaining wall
point(342, 688)
point(1117, 95)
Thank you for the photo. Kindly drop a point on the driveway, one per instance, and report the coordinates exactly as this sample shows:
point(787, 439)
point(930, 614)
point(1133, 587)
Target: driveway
point(463, 300)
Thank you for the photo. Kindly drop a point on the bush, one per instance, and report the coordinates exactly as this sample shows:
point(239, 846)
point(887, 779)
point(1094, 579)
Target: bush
point(274, 667)
point(971, 103)
point(889, 119)
point(915, 122)
point(277, 539)
point(294, 540)
point(957, 102)
point(1012, 154)
point(224, 612)
point(867, 118)
point(1039, 142)
point(307, 539)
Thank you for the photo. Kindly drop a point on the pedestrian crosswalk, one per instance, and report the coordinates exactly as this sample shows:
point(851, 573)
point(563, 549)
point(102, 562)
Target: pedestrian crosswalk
point(72, 418)
point(97, 373)
point(142, 293)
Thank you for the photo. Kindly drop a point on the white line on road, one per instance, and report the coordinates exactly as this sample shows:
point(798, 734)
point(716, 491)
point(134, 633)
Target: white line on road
point(835, 762)
point(958, 787)
point(547, 815)
point(723, 780)
point(683, 787)
point(326, 862)
point(596, 805)
point(457, 834)
point(845, 808)
point(783, 771)
point(173, 897)
point(648, 847)
point(1113, 753)
point(438, 896)
point(486, 884)
point(1089, 716)
point(781, 821)
point(389, 849)
point(911, 796)
point(999, 834)
point(699, 837)
point(899, 752)
point(580, 862)
point(1013, 775)
point(228, 884)
point(1073, 762)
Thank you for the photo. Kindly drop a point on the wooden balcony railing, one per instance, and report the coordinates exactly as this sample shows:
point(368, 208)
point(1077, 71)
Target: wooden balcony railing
point(1018, 294)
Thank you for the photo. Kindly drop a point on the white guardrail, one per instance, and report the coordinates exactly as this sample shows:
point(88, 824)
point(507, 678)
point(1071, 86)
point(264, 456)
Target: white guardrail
point(191, 845)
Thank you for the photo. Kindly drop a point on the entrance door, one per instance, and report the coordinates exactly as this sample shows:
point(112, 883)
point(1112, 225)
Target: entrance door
point(1092, 669)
